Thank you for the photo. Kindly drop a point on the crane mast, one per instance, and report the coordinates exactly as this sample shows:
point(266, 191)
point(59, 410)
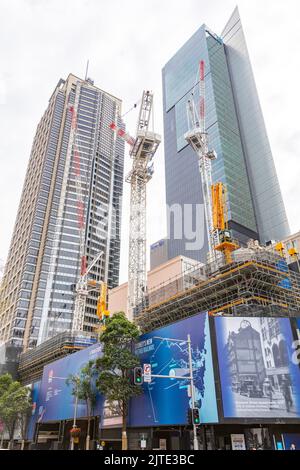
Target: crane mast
point(142, 150)
point(85, 285)
point(142, 153)
point(81, 287)
point(218, 233)
point(198, 139)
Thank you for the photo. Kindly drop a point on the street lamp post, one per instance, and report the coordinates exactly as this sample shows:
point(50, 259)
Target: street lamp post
point(196, 447)
point(75, 416)
point(190, 378)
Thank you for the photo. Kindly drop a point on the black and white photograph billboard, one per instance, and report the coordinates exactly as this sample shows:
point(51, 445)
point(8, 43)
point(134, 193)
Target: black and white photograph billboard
point(259, 376)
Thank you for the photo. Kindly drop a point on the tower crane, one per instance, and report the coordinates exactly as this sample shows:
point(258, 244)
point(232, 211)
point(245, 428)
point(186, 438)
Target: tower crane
point(226, 244)
point(143, 148)
point(83, 289)
point(218, 233)
point(84, 285)
point(198, 139)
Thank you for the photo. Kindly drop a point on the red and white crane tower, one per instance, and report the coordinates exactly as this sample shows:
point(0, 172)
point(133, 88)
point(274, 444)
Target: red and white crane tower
point(214, 196)
point(198, 139)
point(84, 285)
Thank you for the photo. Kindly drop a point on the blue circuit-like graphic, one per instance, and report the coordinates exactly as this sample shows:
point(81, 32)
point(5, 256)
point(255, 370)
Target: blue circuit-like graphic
point(167, 400)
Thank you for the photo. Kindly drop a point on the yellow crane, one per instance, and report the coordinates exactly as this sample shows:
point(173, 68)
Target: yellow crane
point(221, 233)
point(102, 311)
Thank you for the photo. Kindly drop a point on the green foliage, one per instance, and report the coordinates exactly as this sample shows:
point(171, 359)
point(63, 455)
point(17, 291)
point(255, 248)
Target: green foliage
point(5, 382)
point(15, 402)
point(115, 366)
point(83, 385)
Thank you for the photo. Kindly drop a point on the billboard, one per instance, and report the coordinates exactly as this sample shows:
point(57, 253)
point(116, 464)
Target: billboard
point(35, 390)
point(298, 327)
point(166, 401)
point(259, 378)
point(55, 401)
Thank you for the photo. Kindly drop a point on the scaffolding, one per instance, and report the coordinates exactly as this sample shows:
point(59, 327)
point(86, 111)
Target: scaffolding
point(33, 361)
point(256, 283)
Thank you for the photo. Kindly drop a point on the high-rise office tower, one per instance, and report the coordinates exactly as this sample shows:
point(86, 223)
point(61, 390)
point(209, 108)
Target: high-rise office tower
point(43, 264)
point(237, 133)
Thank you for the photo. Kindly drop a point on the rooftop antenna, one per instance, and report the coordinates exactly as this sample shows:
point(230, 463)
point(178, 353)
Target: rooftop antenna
point(87, 70)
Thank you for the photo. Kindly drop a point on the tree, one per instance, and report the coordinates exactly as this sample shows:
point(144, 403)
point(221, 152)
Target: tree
point(23, 420)
point(114, 368)
point(14, 403)
point(84, 389)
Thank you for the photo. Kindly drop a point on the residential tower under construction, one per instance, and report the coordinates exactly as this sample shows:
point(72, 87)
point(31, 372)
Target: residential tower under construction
point(70, 210)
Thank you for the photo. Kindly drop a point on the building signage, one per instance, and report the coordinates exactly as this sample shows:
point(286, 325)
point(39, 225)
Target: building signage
point(238, 442)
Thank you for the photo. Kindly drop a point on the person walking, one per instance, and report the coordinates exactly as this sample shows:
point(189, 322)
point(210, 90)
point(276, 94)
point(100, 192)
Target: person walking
point(286, 391)
point(269, 391)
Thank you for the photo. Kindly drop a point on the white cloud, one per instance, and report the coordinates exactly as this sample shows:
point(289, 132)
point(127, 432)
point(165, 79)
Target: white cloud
point(127, 44)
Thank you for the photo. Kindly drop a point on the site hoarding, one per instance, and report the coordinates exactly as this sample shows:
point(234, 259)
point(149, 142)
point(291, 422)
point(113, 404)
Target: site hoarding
point(166, 401)
point(56, 401)
point(35, 394)
point(298, 327)
point(254, 357)
point(259, 377)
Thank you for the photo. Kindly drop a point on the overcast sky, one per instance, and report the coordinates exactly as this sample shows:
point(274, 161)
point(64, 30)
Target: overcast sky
point(127, 44)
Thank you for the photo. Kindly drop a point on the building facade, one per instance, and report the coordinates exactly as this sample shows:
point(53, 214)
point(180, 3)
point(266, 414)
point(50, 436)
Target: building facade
point(275, 353)
point(43, 264)
point(245, 357)
point(158, 253)
point(171, 275)
point(237, 133)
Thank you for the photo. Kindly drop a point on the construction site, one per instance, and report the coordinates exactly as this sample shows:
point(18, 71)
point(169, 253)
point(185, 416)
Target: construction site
point(185, 336)
point(256, 283)
point(33, 361)
point(251, 280)
point(236, 281)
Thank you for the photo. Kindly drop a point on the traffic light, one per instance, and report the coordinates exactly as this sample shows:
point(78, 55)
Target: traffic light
point(138, 376)
point(196, 416)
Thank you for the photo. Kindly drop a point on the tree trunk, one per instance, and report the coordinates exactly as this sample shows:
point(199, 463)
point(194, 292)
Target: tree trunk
point(124, 431)
point(88, 437)
point(11, 433)
point(11, 442)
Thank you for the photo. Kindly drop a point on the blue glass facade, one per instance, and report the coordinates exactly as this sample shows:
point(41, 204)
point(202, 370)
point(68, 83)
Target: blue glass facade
point(235, 165)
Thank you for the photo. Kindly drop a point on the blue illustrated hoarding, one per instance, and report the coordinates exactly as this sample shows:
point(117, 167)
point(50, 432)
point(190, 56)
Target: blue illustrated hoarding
point(291, 440)
point(55, 401)
point(165, 401)
point(259, 377)
point(35, 390)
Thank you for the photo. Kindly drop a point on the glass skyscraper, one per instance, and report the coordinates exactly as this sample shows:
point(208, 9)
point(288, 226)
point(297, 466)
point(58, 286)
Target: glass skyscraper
point(43, 266)
point(237, 133)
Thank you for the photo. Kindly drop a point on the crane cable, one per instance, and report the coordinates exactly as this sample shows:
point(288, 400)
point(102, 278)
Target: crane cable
point(133, 107)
